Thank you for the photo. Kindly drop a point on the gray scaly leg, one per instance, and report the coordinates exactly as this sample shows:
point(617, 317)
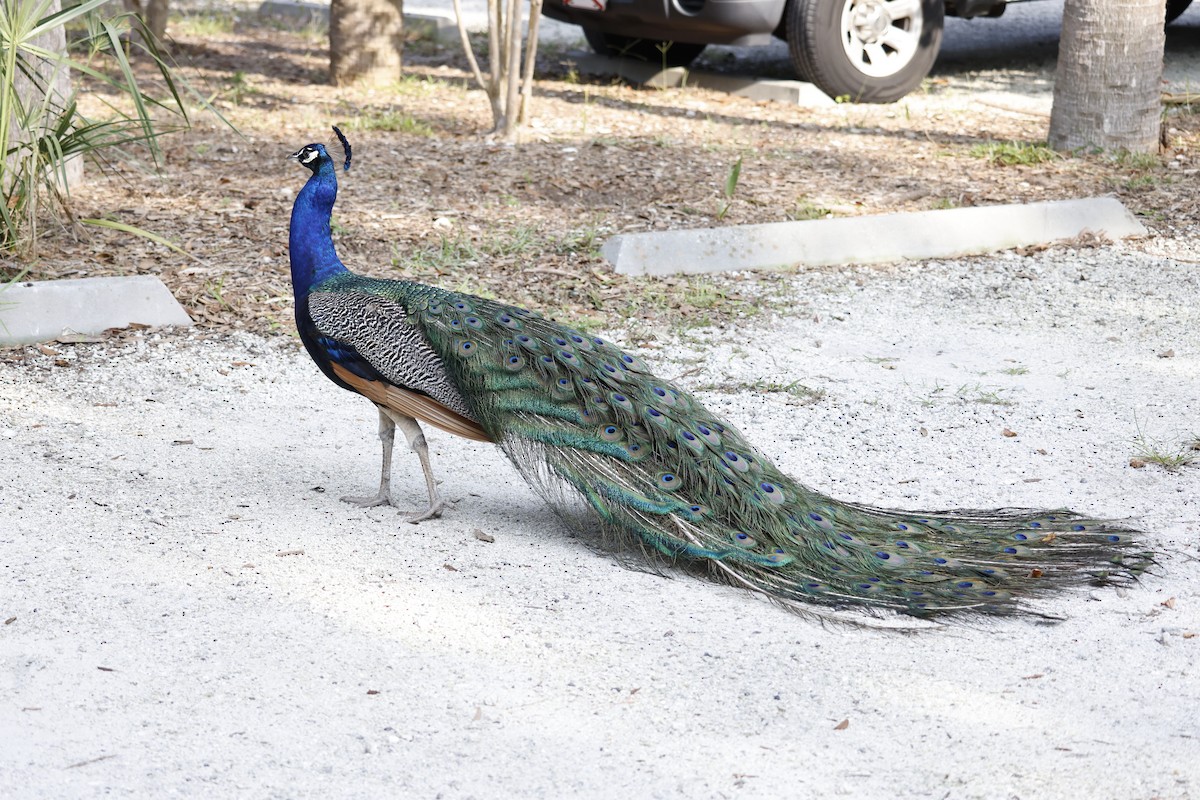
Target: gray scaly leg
point(387, 435)
point(416, 440)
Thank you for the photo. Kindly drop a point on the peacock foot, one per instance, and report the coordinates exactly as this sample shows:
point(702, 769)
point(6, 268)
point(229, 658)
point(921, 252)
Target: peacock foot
point(380, 499)
point(436, 507)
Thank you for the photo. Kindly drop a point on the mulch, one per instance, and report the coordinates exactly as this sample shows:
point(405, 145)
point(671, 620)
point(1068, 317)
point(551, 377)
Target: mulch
point(433, 197)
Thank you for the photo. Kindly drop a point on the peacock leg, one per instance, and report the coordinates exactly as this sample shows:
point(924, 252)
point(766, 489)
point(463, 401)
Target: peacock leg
point(416, 440)
point(387, 435)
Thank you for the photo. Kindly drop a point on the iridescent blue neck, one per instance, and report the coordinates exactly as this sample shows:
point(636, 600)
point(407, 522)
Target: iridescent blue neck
point(310, 242)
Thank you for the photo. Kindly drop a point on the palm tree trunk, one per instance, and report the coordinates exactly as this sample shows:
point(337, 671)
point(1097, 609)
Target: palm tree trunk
point(366, 40)
point(1106, 91)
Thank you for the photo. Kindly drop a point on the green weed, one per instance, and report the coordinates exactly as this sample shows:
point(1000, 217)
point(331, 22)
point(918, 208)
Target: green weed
point(393, 121)
point(204, 24)
point(1149, 450)
point(983, 395)
point(237, 88)
point(805, 209)
point(796, 390)
point(1008, 154)
point(215, 290)
point(730, 188)
point(1140, 161)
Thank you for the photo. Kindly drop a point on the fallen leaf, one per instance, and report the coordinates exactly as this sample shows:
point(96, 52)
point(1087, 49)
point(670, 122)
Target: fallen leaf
point(1167, 354)
point(1136, 463)
point(1008, 433)
point(841, 726)
point(450, 567)
point(483, 537)
point(372, 691)
point(1168, 603)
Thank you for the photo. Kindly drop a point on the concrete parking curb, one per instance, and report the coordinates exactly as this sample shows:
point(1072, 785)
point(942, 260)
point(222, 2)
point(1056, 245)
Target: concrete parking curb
point(45, 310)
point(870, 239)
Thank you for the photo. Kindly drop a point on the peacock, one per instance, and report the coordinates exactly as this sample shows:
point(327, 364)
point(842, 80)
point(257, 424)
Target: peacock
point(597, 434)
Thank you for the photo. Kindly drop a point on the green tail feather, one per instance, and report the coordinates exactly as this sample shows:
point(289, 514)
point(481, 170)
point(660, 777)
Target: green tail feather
point(663, 474)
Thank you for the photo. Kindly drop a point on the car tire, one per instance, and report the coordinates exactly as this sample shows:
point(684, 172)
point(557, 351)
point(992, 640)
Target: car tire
point(866, 51)
point(1175, 8)
point(671, 54)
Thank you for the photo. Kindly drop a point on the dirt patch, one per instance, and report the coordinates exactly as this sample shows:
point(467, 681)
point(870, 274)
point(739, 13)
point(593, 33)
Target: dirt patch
point(431, 198)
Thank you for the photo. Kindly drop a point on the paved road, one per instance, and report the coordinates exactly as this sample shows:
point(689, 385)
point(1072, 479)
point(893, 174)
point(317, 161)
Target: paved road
point(1026, 36)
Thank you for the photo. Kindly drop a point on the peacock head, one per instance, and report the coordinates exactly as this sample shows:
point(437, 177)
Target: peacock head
point(314, 156)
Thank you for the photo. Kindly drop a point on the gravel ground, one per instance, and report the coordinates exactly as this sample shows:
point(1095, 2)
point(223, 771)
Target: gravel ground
point(186, 608)
point(191, 612)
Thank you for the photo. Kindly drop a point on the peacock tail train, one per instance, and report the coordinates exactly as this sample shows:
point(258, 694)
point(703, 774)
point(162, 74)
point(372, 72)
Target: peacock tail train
point(664, 474)
point(590, 427)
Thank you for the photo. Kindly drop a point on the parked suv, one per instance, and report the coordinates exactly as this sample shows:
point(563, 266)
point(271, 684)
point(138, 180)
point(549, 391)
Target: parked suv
point(870, 51)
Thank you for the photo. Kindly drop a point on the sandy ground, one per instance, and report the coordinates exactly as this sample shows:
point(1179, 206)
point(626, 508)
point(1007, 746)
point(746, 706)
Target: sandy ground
point(189, 610)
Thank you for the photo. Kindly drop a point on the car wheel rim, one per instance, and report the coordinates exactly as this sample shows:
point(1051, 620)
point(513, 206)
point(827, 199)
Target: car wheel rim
point(881, 37)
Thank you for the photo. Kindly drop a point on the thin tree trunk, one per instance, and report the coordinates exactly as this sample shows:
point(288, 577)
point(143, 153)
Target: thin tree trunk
point(466, 45)
point(366, 41)
point(1106, 90)
point(153, 15)
point(495, 51)
point(509, 81)
point(535, 15)
point(512, 67)
point(156, 19)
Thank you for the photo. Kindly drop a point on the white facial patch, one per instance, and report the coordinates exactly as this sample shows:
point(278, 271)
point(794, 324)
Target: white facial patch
point(309, 156)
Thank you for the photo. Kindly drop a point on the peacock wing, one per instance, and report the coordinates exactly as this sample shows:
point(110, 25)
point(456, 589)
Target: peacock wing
point(375, 348)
